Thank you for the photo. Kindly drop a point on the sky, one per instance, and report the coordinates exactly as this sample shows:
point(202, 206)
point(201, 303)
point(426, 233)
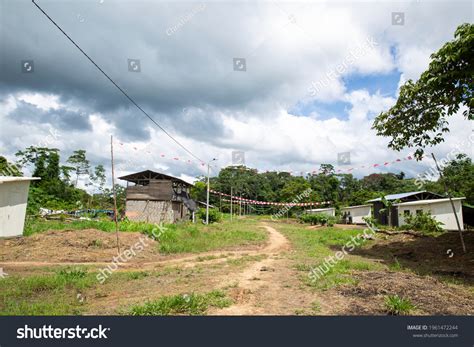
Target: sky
point(291, 84)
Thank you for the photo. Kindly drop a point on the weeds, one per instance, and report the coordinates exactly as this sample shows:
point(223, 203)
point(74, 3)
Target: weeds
point(396, 305)
point(185, 304)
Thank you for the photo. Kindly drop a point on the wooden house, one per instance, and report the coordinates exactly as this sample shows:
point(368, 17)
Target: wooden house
point(155, 197)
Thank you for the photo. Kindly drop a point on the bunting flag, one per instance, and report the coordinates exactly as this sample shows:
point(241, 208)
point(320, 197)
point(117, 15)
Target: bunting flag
point(291, 172)
point(271, 203)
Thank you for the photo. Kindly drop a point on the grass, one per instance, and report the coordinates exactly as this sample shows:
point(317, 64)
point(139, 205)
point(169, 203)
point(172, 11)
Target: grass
point(396, 305)
point(177, 238)
point(183, 304)
point(35, 226)
point(314, 246)
point(50, 294)
point(195, 238)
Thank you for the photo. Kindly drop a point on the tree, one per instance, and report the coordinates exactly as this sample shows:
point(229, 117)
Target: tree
point(8, 169)
point(418, 119)
point(80, 163)
point(98, 177)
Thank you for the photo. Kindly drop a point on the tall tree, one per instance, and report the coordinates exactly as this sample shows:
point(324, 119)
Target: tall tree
point(80, 163)
point(419, 117)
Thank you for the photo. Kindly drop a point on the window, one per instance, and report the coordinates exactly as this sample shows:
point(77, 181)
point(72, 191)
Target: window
point(418, 212)
point(406, 213)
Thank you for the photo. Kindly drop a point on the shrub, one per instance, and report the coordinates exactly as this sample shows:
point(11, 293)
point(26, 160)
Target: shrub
point(314, 219)
point(396, 305)
point(214, 215)
point(422, 222)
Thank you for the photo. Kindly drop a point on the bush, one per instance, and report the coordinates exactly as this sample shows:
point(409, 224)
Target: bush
point(314, 219)
point(214, 215)
point(422, 222)
point(396, 305)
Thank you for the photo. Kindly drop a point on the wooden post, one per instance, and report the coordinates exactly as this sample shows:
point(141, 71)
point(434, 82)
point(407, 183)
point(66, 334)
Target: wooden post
point(231, 204)
point(452, 204)
point(114, 193)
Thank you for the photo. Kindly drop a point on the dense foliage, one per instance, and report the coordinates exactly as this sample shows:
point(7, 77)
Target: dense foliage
point(57, 190)
point(422, 222)
point(419, 117)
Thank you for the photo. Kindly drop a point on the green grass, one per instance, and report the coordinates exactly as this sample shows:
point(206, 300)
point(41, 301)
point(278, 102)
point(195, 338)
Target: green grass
point(183, 304)
point(396, 305)
point(177, 238)
point(50, 294)
point(195, 238)
point(313, 246)
point(39, 226)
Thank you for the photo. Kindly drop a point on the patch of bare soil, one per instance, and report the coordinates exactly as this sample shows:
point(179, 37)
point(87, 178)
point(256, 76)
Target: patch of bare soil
point(73, 246)
point(267, 287)
point(430, 296)
point(440, 256)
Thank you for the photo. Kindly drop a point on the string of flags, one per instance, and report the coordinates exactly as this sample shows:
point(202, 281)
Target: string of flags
point(271, 203)
point(291, 172)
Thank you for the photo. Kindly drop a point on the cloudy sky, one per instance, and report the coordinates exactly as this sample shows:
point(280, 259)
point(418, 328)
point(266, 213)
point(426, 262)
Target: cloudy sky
point(308, 80)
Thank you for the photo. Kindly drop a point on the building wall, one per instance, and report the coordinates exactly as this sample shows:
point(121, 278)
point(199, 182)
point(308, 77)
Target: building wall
point(13, 199)
point(357, 213)
point(329, 212)
point(155, 211)
point(441, 211)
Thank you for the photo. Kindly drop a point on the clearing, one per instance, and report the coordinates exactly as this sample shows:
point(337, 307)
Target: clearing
point(253, 266)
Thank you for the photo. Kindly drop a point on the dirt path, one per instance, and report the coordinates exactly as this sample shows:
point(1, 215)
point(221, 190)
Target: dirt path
point(263, 287)
point(276, 241)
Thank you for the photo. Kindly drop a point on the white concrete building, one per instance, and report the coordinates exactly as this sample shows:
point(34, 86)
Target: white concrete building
point(357, 212)
point(13, 200)
point(330, 211)
point(440, 209)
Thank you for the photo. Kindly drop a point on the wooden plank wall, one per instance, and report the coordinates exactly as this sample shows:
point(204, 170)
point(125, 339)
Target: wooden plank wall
point(161, 190)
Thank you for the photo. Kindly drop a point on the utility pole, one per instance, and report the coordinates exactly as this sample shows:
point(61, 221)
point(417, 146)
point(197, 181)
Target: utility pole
point(452, 203)
point(207, 199)
point(240, 205)
point(231, 204)
point(114, 193)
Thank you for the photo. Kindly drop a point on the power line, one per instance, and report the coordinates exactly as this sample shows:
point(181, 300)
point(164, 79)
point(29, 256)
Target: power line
point(116, 85)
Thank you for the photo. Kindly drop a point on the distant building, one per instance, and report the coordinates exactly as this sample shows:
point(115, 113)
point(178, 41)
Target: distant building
point(156, 197)
point(13, 201)
point(382, 217)
point(330, 211)
point(411, 203)
point(440, 209)
point(356, 213)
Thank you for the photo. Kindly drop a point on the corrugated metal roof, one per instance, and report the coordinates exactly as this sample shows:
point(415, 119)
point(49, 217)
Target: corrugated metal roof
point(347, 207)
point(398, 196)
point(426, 202)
